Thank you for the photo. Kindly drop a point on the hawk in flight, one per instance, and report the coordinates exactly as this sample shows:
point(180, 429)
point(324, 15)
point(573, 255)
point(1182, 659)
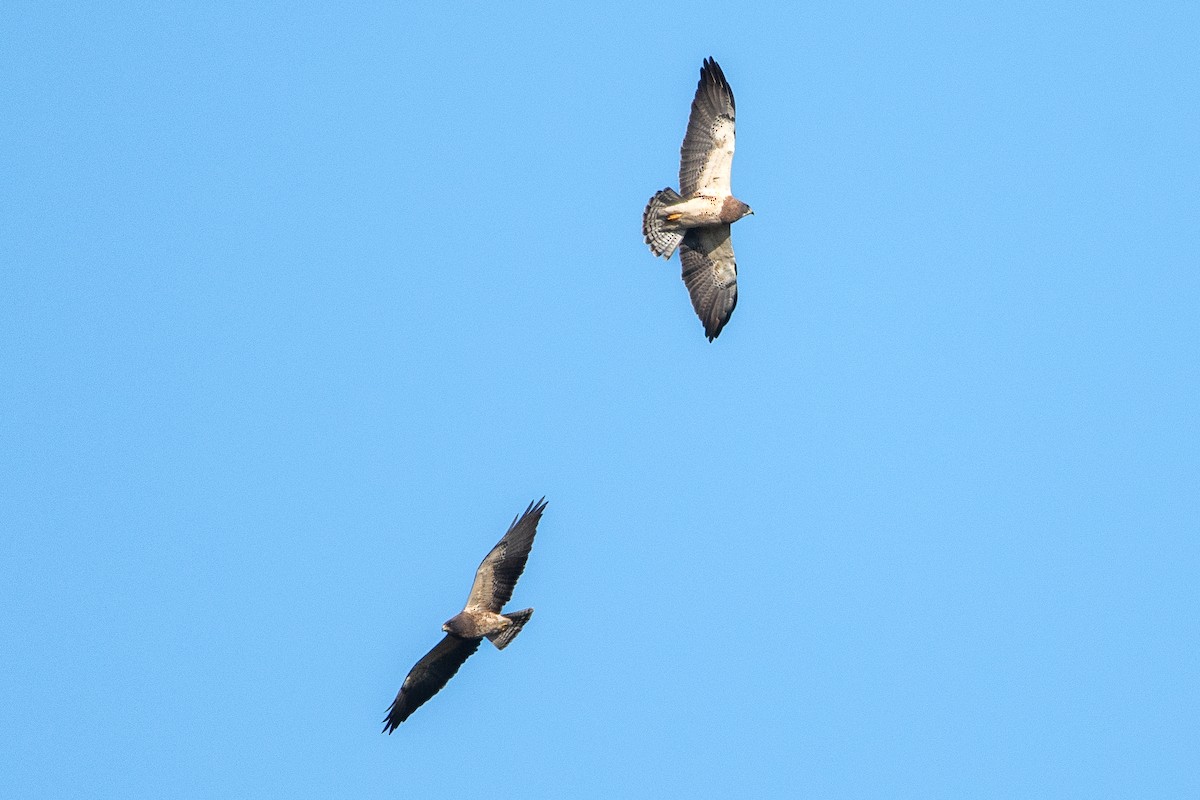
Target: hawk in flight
point(696, 219)
point(494, 582)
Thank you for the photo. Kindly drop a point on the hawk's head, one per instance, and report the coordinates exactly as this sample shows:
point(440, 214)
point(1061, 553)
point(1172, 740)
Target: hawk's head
point(733, 209)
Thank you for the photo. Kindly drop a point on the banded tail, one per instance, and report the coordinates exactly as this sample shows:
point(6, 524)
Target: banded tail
point(662, 236)
point(518, 620)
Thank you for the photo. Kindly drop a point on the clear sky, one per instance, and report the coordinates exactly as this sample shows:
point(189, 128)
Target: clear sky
point(300, 305)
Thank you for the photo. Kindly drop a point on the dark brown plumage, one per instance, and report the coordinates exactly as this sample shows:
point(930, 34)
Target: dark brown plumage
point(493, 587)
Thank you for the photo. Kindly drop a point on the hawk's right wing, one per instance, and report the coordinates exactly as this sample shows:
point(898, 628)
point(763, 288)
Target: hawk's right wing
point(428, 677)
point(706, 157)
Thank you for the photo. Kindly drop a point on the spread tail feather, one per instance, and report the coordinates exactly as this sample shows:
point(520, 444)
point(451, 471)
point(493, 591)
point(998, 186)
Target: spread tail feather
point(662, 236)
point(518, 620)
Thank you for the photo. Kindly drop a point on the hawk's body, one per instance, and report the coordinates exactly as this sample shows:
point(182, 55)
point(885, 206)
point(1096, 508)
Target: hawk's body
point(706, 209)
point(477, 623)
point(696, 219)
point(493, 587)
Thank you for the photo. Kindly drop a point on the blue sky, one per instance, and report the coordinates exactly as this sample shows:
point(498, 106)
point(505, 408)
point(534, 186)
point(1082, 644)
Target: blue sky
point(300, 305)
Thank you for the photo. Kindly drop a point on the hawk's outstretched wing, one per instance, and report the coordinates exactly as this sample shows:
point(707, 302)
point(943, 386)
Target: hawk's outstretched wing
point(710, 272)
point(497, 574)
point(428, 677)
point(706, 157)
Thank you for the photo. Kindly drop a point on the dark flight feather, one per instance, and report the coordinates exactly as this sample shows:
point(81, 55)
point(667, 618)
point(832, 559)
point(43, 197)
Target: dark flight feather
point(710, 273)
point(428, 677)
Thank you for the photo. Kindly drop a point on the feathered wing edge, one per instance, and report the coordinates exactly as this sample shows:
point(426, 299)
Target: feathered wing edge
point(428, 676)
point(498, 572)
point(710, 274)
point(712, 103)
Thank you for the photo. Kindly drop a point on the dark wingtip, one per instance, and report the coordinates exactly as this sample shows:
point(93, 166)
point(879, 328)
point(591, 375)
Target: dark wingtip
point(713, 328)
point(712, 68)
point(711, 71)
point(535, 508)
point(400, 710)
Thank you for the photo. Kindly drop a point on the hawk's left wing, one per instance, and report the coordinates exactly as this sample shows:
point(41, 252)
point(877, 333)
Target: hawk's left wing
point(497, 574)
point(710, 272)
